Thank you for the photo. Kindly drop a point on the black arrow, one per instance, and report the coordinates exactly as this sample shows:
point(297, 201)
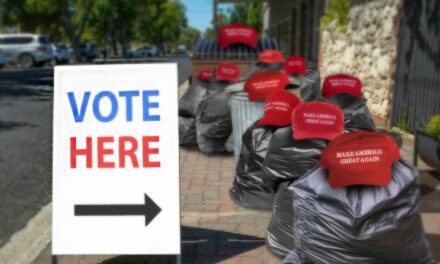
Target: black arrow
point(150, 209)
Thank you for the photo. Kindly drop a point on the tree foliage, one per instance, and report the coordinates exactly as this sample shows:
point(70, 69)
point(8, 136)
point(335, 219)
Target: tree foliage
point(250, 14)
point(337, 10)
point(189, 37)
point(112, 24)
point(161, 22)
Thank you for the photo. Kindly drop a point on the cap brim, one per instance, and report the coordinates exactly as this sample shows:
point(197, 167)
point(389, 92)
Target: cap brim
point(265, 121)
point(222, 78)
point(328, 95)
point(304, 134)
point(253, 98)
point(378, 177)
point(268, 61)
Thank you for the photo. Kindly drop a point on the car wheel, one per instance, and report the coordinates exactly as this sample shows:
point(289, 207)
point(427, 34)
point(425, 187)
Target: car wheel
point(26, 61)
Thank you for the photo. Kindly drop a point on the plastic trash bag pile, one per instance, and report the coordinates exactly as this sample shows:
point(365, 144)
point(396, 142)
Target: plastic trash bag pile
point(367, 212)
point(248, 189)
point(365, 206)
point(204, 112)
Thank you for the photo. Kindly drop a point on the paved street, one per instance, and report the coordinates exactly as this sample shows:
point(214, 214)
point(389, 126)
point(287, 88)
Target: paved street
point(25, 143)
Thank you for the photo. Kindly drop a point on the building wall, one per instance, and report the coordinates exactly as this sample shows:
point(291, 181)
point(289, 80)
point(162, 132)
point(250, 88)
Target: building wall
point(295, 26)
point(367, 50)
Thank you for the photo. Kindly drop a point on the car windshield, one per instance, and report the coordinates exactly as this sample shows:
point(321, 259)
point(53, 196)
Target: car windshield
point(43, 40)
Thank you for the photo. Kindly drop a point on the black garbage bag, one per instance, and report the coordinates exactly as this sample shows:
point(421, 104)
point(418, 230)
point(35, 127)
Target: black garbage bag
point(193, 96)
point(309, 84)
point(216, 87)
point(357, 115)
point(187, 131)
point(260, 67)
point(286, 161)
point(279, 231)
point(229, 145)
point(248, 189)
point(359, 224)
point(213, 123)
point(293, 258)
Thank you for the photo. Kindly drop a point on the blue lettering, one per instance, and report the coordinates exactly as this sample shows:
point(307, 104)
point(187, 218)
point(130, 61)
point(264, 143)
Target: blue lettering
point(114, 106)
point(129, 102)
point(78, 116)
point(147, 105)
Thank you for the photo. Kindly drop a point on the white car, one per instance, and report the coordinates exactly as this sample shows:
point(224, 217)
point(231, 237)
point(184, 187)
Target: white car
point(26, 50)
point(62, 53)
point(143, 52)
point(2, 59)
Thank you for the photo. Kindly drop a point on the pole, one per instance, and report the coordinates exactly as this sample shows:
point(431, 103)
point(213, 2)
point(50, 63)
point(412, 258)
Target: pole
point(1, 15)
point(215, 15)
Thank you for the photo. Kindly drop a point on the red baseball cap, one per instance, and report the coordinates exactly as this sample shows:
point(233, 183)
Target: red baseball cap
point(237, 33)
point(278, 109)
point(317, 120)
point(270, 56)
point(341, 83)
point(295, 65)
point(227, 72)
point(360, 158)
point(262, 84)
point(205, 75)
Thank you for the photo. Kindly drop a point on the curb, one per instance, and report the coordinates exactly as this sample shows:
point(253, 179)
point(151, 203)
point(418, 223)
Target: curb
point(27, 244)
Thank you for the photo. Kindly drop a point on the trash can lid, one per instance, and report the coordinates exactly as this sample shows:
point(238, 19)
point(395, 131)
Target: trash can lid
point(236, 92)
point(236, 87)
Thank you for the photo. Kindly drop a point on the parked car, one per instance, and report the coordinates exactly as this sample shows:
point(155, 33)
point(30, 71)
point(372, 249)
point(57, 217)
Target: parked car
point(62, 53)
point(136, 53)
point(178, 50)
point(89, 51)
point(26, 50)
point(143, 52)
point(2, 59)
point(181, 49)
point(151, 51)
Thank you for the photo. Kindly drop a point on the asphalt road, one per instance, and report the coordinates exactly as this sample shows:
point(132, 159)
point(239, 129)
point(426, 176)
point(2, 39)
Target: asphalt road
point(26, 99)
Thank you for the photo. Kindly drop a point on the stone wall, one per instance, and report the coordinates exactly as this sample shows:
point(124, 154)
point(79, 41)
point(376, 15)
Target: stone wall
point(367, 49)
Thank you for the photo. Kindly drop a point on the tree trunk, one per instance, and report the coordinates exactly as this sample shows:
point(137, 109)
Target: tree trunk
point(72, 33)
point(123, 39)
point(114, 43)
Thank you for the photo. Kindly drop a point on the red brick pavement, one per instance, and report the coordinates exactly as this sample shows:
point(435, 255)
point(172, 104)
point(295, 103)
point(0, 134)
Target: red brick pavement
point(205, 182)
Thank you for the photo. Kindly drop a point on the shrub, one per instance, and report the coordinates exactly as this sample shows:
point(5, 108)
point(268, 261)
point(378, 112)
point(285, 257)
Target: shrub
point(433, 126)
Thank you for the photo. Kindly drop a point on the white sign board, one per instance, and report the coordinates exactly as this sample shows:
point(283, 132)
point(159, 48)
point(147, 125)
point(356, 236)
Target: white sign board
point(116, 160)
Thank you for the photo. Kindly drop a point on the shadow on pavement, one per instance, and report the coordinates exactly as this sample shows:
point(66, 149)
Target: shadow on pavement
point(200, 245)
point(32, 82)
point(434, 243)
point(12, 125)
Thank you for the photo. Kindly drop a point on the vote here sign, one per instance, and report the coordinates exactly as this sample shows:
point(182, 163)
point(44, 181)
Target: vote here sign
point(116, 160)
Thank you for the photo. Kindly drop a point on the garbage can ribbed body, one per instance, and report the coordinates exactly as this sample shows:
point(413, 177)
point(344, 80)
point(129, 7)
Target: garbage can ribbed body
point(244, 114)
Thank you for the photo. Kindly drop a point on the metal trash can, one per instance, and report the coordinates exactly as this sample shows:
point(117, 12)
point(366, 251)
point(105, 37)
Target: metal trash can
point(244, 113)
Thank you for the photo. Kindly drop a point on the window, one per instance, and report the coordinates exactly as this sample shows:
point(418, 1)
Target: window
point(280, 32)
point(15, 40)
